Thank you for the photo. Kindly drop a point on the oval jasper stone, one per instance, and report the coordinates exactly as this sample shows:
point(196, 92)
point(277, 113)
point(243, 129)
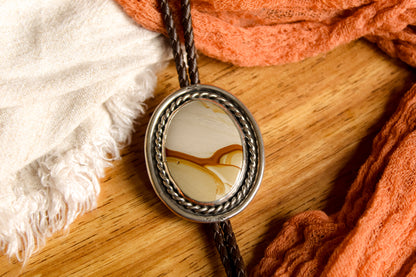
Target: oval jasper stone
point(203, 151)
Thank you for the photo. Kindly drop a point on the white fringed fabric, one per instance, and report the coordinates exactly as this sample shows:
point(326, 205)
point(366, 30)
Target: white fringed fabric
point(73, 78)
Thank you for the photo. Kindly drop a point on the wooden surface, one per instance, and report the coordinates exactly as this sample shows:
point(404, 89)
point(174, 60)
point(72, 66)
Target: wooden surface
point(318, 118)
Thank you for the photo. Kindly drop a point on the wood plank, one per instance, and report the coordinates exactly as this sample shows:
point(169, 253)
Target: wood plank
point(317, 117)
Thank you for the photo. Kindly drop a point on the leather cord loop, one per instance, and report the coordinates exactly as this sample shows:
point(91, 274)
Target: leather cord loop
point(174, 43)
point(182, 68)
point(187, 69)
point(189, 42)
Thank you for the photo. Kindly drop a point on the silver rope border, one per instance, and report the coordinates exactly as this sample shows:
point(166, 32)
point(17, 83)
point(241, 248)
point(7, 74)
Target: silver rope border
point(249, 140)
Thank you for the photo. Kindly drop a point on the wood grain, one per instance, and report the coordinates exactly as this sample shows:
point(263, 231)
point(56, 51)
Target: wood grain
point(317, 117)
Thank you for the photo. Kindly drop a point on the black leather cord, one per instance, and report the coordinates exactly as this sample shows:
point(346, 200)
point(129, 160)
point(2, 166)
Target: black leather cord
point(189, 42)
point(219, 240)
point(234, 255)
point(174, 43)
point(222, 232)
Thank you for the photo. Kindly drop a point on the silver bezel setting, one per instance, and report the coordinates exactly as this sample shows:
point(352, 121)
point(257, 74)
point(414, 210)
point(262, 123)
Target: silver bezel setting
point(165, 186)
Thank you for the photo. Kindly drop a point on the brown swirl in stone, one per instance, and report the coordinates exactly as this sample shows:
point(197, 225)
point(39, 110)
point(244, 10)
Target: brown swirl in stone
point(215, 159)
point(206, 179)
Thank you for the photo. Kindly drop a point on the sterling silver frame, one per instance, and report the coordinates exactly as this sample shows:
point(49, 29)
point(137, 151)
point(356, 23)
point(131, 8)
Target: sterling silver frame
point(162, 182)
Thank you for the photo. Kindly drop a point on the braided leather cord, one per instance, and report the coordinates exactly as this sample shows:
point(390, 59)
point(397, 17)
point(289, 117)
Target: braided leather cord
point(223, 234)
point(174, 43)
point(189, 42)
point(221, 247)
point(237, 262)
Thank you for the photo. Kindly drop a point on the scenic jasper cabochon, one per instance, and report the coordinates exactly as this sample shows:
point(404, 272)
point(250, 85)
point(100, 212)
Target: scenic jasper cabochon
point(203, 151)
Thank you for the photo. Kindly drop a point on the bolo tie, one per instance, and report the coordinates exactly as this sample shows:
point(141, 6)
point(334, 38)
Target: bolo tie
point(203, 149)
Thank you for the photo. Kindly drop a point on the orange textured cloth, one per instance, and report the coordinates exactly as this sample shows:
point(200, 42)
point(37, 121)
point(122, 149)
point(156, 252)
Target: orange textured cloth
point(265, 32)
point(374, 234)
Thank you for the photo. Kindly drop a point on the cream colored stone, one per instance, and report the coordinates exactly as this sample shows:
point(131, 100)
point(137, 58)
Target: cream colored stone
point(200, 128)
point(203, 151)
point(232, 158)
point(194, 181)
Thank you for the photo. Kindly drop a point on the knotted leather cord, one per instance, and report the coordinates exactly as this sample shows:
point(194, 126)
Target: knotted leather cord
point(222, 232)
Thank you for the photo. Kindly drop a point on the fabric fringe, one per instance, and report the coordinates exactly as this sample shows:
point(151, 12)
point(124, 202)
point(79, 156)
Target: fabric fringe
point(69, 183)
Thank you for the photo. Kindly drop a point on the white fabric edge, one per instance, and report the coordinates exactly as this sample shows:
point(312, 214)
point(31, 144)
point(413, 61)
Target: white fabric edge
point(81, 167)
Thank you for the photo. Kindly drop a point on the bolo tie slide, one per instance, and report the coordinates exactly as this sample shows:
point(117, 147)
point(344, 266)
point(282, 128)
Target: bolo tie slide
point(204, 152)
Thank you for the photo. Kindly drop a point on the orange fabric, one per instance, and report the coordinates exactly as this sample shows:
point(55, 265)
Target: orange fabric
point(374, 234)
point(266, 32)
